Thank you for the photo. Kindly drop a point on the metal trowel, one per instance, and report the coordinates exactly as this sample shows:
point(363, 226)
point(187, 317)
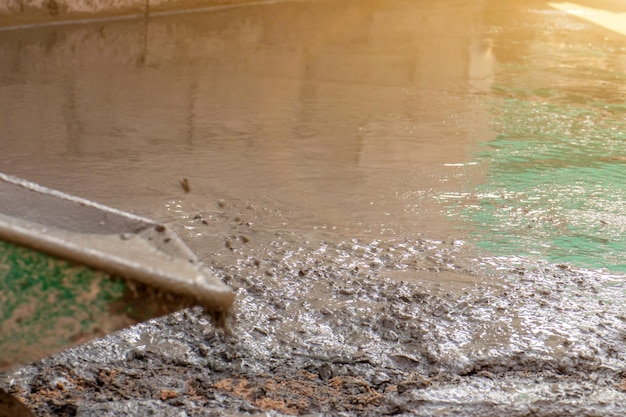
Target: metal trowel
point(72, 270)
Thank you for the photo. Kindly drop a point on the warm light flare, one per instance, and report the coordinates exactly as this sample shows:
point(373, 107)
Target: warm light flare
point(607, 19)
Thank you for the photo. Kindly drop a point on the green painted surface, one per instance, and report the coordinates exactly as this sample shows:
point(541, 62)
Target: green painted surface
point(46, 304)
point(556, 172)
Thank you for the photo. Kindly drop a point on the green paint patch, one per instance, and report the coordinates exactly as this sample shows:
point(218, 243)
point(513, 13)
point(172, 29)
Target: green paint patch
point(46, 304)
point(556, 183)
point(556, 171)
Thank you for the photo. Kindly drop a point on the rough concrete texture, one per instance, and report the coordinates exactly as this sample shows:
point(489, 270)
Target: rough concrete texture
point(332, 327)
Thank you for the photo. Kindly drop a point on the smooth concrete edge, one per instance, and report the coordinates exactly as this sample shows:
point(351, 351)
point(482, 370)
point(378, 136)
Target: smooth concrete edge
point(125, 245)
point(23, 14)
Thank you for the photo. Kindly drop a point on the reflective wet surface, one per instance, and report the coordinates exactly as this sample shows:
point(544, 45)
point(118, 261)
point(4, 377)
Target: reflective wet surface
point(405, 195)
point(327, 111)
point(556, 178)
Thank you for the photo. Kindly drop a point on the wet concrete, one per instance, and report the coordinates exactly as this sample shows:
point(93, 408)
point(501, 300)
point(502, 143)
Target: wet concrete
point(326, 148)
point(328, 118)
point(353, 327)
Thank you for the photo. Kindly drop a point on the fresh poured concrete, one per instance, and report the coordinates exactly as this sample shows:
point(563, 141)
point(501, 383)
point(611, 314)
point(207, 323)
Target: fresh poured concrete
point(338, 156)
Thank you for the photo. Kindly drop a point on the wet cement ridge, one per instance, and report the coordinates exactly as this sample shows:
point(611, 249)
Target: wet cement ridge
point(148, 14)
point(324, 329)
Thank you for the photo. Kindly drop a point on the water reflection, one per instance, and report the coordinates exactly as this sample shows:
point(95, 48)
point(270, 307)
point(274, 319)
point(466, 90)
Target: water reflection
point(344, 112)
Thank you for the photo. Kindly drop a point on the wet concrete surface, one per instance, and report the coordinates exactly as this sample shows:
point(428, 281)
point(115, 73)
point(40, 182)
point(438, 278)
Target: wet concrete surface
point(356, 327)
point(322, 145)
